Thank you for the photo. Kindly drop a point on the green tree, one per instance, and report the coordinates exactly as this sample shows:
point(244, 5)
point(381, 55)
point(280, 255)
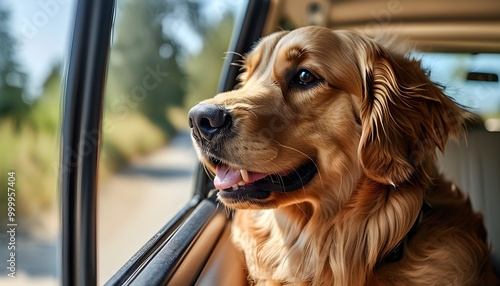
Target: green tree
point(144, 73)
point(12, 79)
point(204, 69)
point(147, 72)
point(45, 110)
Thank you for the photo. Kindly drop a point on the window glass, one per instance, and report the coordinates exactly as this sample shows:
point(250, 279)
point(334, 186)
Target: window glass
point(166, 56)
point(34, 40)
point(471, 79)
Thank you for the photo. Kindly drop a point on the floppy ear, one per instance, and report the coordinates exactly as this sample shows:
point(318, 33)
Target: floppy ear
point(404, 117)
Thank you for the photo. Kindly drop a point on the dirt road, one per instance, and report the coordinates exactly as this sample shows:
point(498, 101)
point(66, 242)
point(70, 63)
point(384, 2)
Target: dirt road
point(138, 201)
point(132, 206)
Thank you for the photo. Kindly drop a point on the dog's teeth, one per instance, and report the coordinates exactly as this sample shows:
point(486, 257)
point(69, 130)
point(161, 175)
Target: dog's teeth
point(244, 175)
point(241, 183)
point(234, 187)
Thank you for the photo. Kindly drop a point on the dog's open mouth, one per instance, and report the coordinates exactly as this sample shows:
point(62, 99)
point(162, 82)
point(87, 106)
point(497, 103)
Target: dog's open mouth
point(241, 184)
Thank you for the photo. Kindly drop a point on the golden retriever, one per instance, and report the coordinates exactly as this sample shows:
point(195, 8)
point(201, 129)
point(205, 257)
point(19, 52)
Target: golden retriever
point(327, 152)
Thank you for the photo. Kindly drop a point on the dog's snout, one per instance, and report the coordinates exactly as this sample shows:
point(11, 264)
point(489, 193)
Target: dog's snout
point(206, 120)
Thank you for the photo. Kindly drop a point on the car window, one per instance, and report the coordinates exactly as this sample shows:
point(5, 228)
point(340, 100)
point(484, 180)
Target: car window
point(470, 79)
point(165, 57)
point(34, 40)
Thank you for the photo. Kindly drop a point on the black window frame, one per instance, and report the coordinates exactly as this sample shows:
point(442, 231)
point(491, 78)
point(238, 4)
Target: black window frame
point(83, 100)
point(80, 139)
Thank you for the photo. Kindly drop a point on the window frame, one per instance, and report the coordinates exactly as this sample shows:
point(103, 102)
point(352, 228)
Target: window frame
point(80, 139)
point(83, 97)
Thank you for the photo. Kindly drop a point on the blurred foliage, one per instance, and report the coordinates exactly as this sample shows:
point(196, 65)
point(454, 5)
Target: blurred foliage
point(27, 149)
point(44, 112)
point(139, 78)
point(125, 139)
point(151, 84)
point(30, 148)
point(12, 79)
point(204, 69)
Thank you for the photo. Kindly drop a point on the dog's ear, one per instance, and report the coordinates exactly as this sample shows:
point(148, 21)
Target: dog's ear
point(404, 118)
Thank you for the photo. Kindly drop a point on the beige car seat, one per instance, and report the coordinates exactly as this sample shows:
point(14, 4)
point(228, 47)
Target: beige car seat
point(474, 164)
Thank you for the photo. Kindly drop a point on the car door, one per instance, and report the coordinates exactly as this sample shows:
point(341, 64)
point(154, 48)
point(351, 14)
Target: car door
point(193, 247)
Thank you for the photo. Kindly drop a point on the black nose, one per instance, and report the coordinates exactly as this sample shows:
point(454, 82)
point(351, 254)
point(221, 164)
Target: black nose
point(206, 120)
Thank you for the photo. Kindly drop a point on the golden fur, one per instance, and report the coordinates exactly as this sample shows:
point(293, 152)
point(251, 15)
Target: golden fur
point(371, 123)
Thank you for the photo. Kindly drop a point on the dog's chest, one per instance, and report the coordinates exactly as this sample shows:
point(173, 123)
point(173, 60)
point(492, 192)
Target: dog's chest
point(272, 253)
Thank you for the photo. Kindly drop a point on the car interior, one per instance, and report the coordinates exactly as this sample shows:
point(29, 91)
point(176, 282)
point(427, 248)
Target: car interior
point(457, 41)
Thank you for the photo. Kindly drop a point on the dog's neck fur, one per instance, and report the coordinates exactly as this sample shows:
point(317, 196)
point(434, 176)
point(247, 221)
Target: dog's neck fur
point(339, 240)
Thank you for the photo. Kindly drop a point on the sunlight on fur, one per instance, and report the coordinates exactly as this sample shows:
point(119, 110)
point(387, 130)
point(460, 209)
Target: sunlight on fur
point(326, 150)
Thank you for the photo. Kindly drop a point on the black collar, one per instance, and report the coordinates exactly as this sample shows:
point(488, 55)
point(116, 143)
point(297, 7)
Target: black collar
point(396, 253)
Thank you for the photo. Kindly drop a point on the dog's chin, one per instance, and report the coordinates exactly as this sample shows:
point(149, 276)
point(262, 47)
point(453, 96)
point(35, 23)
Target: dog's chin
point(257, 190)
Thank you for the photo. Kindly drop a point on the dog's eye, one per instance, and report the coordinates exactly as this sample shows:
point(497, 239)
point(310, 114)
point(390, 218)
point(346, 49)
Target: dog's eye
point(304, 78)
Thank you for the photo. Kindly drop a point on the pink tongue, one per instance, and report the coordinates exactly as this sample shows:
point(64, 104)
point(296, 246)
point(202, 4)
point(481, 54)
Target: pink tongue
point(226, 177)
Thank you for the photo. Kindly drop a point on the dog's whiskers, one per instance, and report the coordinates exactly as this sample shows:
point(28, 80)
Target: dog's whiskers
point(207, 171)
point(303, 212)
point(272, 158)
point(305, 155)
point(286, 193)
point(248, 108)
point(235, 53)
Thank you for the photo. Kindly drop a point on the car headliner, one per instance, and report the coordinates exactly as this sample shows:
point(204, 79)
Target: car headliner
point(433, 25)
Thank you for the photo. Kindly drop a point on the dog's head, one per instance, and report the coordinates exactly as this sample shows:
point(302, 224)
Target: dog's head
point(316, 111)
